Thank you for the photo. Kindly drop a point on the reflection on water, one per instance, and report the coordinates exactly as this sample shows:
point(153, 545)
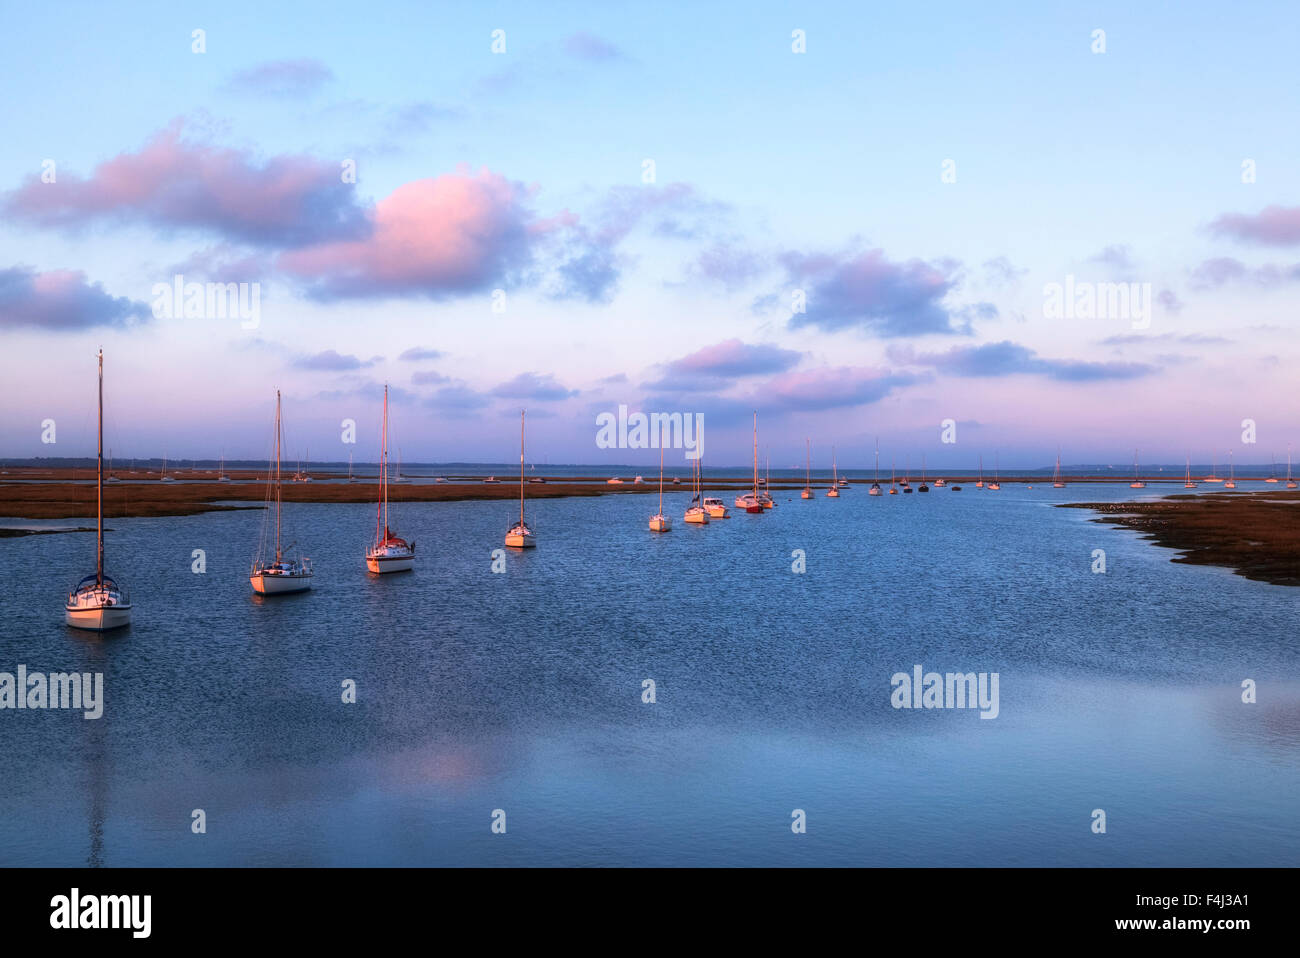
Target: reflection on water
point(522, 691)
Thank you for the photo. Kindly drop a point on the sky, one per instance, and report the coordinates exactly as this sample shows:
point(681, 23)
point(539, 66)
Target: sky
point(862, 224)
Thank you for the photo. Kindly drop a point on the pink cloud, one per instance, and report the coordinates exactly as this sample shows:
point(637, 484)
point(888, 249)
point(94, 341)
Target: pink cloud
point(1272, 226)
point(452, 233)
point(171, 183)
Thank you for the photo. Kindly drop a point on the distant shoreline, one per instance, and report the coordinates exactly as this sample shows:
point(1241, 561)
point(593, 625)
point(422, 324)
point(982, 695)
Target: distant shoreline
point(1257, 534)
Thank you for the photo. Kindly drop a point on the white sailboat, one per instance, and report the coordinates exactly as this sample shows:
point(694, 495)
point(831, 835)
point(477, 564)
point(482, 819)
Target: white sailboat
point(995, 485)
point(1232, 475)
point(1057, 482)
point(893, 489)
point(807, 492)
point(875, 481)
point(765, 497)
point(278, 574)
point(980, 484)
point(834, 491)
point(1187, 482)
point(221, 474)
point(1214, 471)
point(716, 508)
point(1137, 483)
point(696, 512)
point(1290, 483)
point(521, 535)
point(165, 477)
point(750, 501)
point(389, 552)
point(660, 522)
point(98, 603)
point(1272, 468)
point(399, 477)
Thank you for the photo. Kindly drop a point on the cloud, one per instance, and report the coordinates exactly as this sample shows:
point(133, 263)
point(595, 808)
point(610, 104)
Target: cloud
point(332, 361)
point(832, 387)
point(1118, 257)
point(999, 271)
point(174, 184)
point(1271, 226)
point(868, 292)
point(538, 388)
point(1187, 339)
point(282, 78)
point(61, 301)
point(1010, 359)
point(416, 353)
point(717, 366)
point(452, 234)
point(1168, 299)
point(1213, 273)
point(458, 398)
point(588, 46)
point(222, 263)
point(428, 377)
point(730, 265)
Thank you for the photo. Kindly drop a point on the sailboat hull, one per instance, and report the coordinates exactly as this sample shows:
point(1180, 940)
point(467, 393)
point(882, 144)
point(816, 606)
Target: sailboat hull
point(264, 584)
point(697, 516)
point(662, 524)
point(519, 541)
point(832, 493)
point(382, 564)
point(98, 618)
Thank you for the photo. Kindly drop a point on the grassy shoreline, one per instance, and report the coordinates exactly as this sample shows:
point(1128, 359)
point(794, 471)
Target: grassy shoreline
point(1256, 534)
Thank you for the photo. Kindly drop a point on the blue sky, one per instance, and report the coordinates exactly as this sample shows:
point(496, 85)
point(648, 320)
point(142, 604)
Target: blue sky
point(775, 171)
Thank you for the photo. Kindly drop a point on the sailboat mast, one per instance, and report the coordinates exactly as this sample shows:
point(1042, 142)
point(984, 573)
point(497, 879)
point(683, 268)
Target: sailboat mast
point(277, 477)
point(755, 454)
point(521, 470)
point(380, 532)
point(99, 494)
point(807, 468)
point(661, 477)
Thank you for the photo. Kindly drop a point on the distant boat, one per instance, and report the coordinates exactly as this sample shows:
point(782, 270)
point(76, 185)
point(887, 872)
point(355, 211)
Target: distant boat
point(893, 491)
point(660, 522)
point(956, 488)
point(351, 478)
point(1214, 472)
point(113, 478)
point(834, 491)
point(165, 477)
point(1232, 475)
point(875, 481)
point(399, 477)
point(491, 479)
point(695, 512)
point(1187, 483)
point(98, 603)
point(389, 552)
point(750, 501)
point(614, 482)
point(221, 473)
point(1272, 470)
point(521, 535)
point(765, 497)
point(638, 481)
point(278, 575)
point(1137, 483)
point(1056, 476)
point(807, 492)
point(995, 485)
point(1290, 483)
point(922, 487)
point(980, 484)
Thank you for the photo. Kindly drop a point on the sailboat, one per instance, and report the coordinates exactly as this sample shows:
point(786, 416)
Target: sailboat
point(980, 484)
point(1187, 483)
point(807, 492)
point(98, 602)
point(995, 485)
point(1290, 483)
point(765, 497)
point(893, 490)
point(716, 508)
point(399, 477)
point(834, 491)
point(922, 487)
point(521, 535)
point(695, 512)
point(1214, 471)
point(278, 575)
point(750, 501)
point(875, 481)
point(1057, 482)
point(165, 477)
point(660, 522)
point(113, 478)
point(351, 478)
point(1272, 469)
point(1137, 483)
point(221, 474)
point(389, 552)
point(1232, 475)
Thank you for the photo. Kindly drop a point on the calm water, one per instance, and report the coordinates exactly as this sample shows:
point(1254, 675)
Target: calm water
point(522, 691)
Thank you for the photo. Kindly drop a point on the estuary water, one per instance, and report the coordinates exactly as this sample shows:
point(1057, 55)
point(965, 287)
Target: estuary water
point(521, 691)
